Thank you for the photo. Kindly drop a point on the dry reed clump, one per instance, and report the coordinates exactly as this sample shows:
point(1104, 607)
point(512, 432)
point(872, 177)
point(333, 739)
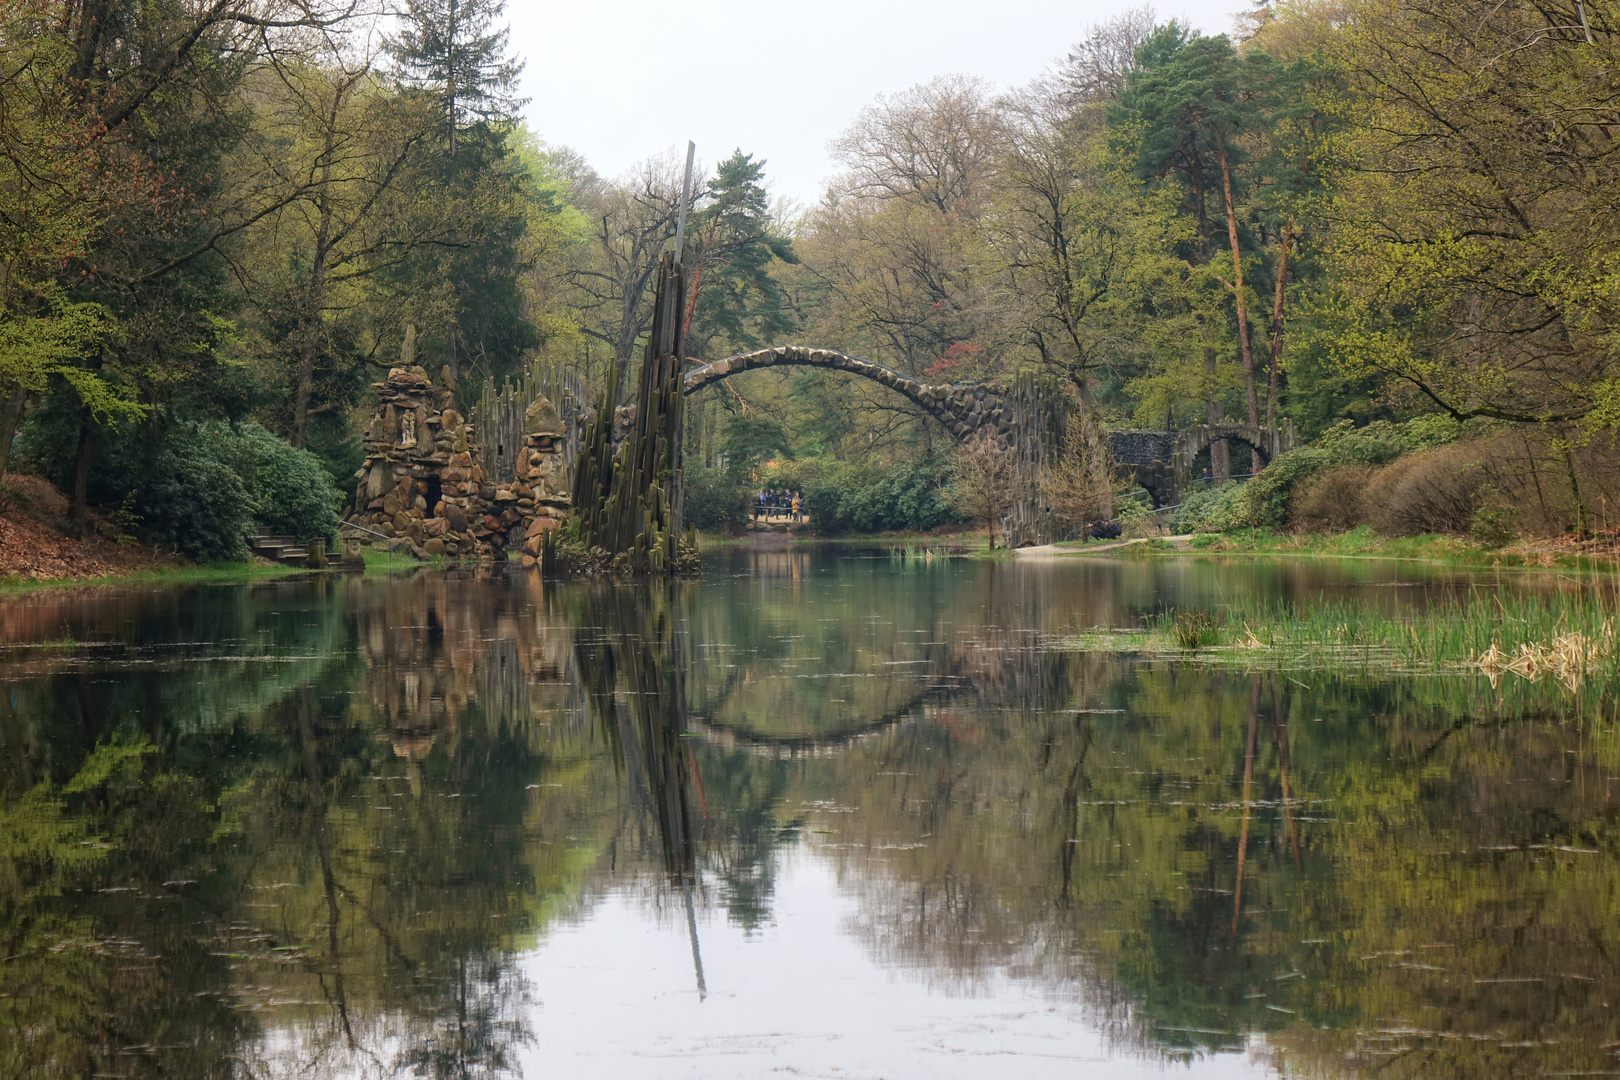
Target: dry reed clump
point(1194, 630)
point(1569, 657)
point(1332, 501)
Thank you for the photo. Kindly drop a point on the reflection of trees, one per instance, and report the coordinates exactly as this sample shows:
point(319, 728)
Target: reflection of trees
point(1441, 868)
point(634, 668)
point(340, 832)
point(336, 839)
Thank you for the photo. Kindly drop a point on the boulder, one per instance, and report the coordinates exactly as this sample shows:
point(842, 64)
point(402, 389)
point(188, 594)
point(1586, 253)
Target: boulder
point(435, 527)
point(434, 546)
point(457, 518)
point(391, 504)
point(542, 418)
point(377, 481)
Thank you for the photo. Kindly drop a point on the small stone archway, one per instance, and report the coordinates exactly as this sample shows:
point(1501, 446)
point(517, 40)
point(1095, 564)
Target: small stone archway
point(1162, 461)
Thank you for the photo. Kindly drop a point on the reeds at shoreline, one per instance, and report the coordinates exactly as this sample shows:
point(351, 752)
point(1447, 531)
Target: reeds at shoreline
point(1569, 637)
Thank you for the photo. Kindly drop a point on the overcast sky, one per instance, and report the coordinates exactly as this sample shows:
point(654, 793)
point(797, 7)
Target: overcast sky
point(618, 80)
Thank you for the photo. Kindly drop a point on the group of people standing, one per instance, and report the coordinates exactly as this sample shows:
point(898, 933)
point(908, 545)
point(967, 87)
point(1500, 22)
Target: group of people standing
point(773, 502)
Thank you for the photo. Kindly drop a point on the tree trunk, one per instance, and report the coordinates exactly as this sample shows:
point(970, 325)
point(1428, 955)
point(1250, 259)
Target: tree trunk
point(1277, 334)
point(311, 331)
point(1219, 460)
point(450, 86)
point(79, 515)
point(1237, 291)
point(11, 409)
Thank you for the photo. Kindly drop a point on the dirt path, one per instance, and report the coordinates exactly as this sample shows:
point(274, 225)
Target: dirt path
point(1052, 551)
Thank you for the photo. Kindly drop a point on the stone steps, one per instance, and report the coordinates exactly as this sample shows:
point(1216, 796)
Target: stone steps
point(281, 549)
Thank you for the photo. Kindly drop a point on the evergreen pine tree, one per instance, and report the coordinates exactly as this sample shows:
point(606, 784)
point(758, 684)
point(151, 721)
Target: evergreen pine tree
point(735, 296)
point(457, 49)
point(452, 48)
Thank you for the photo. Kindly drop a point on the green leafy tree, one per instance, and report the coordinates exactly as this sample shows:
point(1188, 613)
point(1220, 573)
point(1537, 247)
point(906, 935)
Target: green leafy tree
point(1191, 101)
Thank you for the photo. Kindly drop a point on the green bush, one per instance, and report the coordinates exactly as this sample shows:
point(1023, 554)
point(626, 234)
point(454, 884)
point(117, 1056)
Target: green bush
point(1209, 508)
point(196, 487)
point(713, 502)
point(906, 498)
point(192, 499)
point(292, 493)
point(1264, 500)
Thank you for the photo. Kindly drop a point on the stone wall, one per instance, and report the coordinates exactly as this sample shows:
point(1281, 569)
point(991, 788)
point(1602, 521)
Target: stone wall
point(420, 481)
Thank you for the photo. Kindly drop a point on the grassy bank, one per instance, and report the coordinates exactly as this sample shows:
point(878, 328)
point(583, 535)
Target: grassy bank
point(1366, 543)
point(1567, 637)
point(167, 575)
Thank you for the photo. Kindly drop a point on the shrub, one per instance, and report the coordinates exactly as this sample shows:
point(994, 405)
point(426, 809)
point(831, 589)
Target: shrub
point(1265, 501)
point(1434, 491)
point(908, 497)
point(196, 487)
point(291, 491)
point(1209, 508)
point(1331, 501)
point(713, 502)
point(1492, 526)
point(192, 500)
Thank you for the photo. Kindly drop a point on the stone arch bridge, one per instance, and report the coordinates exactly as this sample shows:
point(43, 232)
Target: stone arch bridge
point(963, 409)
point(1160, 461)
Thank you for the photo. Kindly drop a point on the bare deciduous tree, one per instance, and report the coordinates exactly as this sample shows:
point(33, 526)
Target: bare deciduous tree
point(1097, 67)
point(1079, 486)
point(984, 481)
point(632, 220)
point(935, 143)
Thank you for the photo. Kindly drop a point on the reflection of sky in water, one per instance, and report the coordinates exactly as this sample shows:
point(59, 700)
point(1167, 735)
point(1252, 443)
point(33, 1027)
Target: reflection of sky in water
point(616, 999)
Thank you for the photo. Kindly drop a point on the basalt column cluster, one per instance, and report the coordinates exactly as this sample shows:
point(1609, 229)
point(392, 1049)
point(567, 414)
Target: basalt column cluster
point(420, 481)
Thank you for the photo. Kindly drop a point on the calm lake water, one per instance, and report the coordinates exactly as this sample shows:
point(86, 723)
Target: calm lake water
point(818, 815)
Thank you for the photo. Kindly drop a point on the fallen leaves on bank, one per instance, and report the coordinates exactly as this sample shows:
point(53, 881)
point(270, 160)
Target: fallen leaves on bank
point(34, 545)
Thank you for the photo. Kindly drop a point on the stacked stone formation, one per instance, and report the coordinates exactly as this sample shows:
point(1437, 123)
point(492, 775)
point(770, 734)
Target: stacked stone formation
point(419, 447)
point(540, 487)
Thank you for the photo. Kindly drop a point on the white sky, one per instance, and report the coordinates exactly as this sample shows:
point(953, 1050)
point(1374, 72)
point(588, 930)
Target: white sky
point(778, 80)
